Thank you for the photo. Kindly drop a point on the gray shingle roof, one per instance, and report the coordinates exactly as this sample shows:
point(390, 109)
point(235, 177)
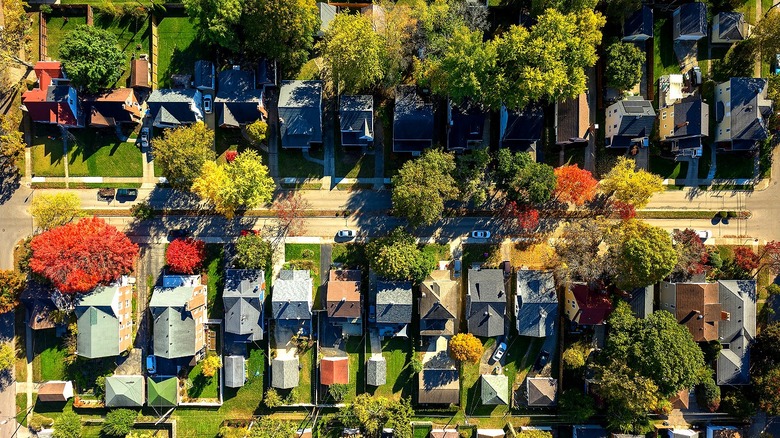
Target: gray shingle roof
point(738, 299)
point(690, 20)
point(174, 332)
point(285, 373)
point(235, 371)
point(292, 295)
point(486, 302)
point(238, 102)
point(639, 25)
point(243, 302)
point(541, 391)
point(537, 303)
point(730, 25)
point(204, 74)
point(393, 302)
point(376, 371)
point(747, 116)
point(98, 325)
point(637, 117)
point(412, 121)
point(494, 389)
point(175, 106)
point(641, 301)
point(300, 113)
point(125, 391)
point(354, 113)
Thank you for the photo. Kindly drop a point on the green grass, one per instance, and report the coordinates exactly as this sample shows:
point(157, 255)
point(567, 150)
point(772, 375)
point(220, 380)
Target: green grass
point(216, 274)
point(178, 48)
point(749, 9)
point(57, 29)
point(309, 71)
point(34, 46)
point(47, 155)
point(294, 252)
point(226, 139)
point(292, 164)
point(665, 61)
point(439, 251)
point(397, 353)
point(134, 37)
point(356, 351)
point(99, 153)
point(49, 359)
point(733, 166)
point(352, 255)
point(668, 168)
point(202, 386)
point(353, 164)
point(473, 253)
point(21, 408)
point(421, 431)
point(303, 393)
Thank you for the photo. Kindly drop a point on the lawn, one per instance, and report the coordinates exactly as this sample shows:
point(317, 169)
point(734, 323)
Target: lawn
point(303, 393)
point(202, 386)
point(351, 255)
point(397, 352)
point(215, 270)
point(667, 168)
point(57, 27)
point(489, 254)
point(749, 9)
point(100, 153)
point(21, 408)
point(665, 61)
point(733, 166)
point(49, 359)
point(353, 164)
point(357, 375)
point(47, 153)
point(232, 140)
point(134, 37)
point(306, 256)
point(292, 164)
point(178, 48)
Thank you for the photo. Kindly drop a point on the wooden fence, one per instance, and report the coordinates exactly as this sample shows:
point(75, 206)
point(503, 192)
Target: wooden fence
point(43, 46)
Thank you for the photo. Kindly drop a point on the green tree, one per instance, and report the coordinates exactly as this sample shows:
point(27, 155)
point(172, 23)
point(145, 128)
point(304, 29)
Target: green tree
point(624, 65)
point(91, 58)
point(12, 283)
point(399, 417)
point(397, 257)
point(12, 143)
point(737, 404)
point(576, 407)
point(67, 425)
point(54, 209)
point(644, 254)
point(267, 427)
point(253, 252)
point(629, 397)
point(182, 152)
point(708, 394)
point(338, 391)
point(242, 183)
point(534, 433)
point(579, 252)
point(257, 131)
point(471, 173)
point(397, 29)
point(765, 352)
point(7, 357)
point(272, 398)
point(216, 20)
point(423, 185)
point(627, 184)
point(575, 356)
point(371, 414)
point(119, 422)
point(766, 34)
point(15, 37)
point(282, 30)
point(353, 53)
point(535, 183)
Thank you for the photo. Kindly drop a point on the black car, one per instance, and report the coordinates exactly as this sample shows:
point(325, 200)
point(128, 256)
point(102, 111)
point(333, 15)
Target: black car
point(542, 360)
point(127, 193)
point(178, 233)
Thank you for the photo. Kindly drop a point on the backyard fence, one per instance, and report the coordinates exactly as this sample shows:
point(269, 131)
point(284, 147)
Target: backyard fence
point(155, 51)
point(43, 50)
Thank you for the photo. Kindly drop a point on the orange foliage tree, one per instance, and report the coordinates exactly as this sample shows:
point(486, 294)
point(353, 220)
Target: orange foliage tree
point(465, 347)
point(575, 185)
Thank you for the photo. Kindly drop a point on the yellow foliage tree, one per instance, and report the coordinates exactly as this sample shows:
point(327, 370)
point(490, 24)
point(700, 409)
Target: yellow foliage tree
point(465, 347)
point(56, 209)
point(210, 365)
point(627, 184)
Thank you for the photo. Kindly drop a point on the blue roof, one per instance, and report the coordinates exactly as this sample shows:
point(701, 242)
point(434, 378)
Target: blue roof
point(639, 24)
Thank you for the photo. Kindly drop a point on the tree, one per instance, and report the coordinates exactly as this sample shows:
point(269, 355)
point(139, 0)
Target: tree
point(55, 209)
point(765, 351)
point(574, 185)
point(708, 394)
point(338, 391)
point(242, 183)
point(525, 217)
point(272, 398)
point(399, 417)
point(534, 433)
point(576, 407)
point(282, 30)
point(535, 184)
point(579, 252)
point(768, 388)
point(12, 283)
point(624, 65)
point(290, 209)
point(12, 143)
point(575, 356)
point(465, 347)
point(182, 152)
point(216, 20)
point(185, 256)
point(78, 256)
point(353, 53)
point(423, 185)
point(119, 422)
point(253, 252)
point(745, 259)
point(142, 211)
point(210, 365)
point(416, 364)
point(371, 414)
point(397, 257)
point(15, 38)
point(692, 255)
point(267, 427)
point(472, 176)
point(91, 58)
point(257, 131)
point(644, 254)
point(67, 425)
point(629, 397)
point(7, 357)
point(766, 34)
point(508, 166)
point(738, 405)
point(397, 29)
point(626, 184)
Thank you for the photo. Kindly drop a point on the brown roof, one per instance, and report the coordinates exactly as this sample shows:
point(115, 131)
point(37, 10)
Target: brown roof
point(438, 387)
point(542, 391)
point(139, 73)
point(55, 392)
point(343, 296)
point(440, 302)
point(681, 400)
point(334, 370)
point(698, 308)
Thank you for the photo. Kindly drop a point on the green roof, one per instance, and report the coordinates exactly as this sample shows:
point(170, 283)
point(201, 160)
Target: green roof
point(162, 392)
point(124, 391)
point(98, 334)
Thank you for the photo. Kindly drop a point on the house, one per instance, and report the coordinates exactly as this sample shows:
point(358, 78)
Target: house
point(265, 72)
point(356, 118)
point(444, 433)
point(585, 306)
point(179, 316)
point(393, 301)
point(696, 305)
point(105, 320)
point(344, 301)
point(114, 108)
point(170, 108)
point(284, 372)
point(639, 25)
point(334, 370)
point(376, 371)
point(438, 386)
point(589, 431)
point(713, 431)
point(140, 73)
point(53, 100)
point(741, 113)
point(521, 130)
point(162, 392)
point(494, 389)
point(536, 304)
point(243, 297)
point(467, 125)
point(412, 121)
point(55, 391)
point(204, 76)
point(327, 14)
point(439, 304)
point(238, 101)
point(641, 301)
point(572, 120)
point(684, 124)
point(486, 302)
point(629, 122)
point(39, 302)
point(490, 433)
point(125, 391)
point(729, 27)
point(300, 113)
point(235, 371)
point(291, 301)
point(541, 391)
point(690, 22)
point(737, 331)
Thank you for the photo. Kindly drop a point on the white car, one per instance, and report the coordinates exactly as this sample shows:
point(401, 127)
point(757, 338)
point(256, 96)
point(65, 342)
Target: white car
point(480, 234)
point(499, 353)
point(207, 103)
point(346, 234)
point(703, 234)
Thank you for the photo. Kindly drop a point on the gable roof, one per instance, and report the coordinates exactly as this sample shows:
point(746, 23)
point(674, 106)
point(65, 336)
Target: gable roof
point(174, 332)
point(635, 120)
point(412, 121)
point(748, 112)
point(139, 73)
point(494, 389)
point(300, 113)
point(292, 295)
point(111, 108)
point(124, 391)
point(572, 120)
point(641, 301)
point(466, 125)
point(343, 295)
point(98, 323)
point(204, 74)
point(439, 304)
point(537, 303)
point(51, 102)
point(731, 25)
point(243, 297)
point(334, 370)
point(594, 306)
point(356, 119)
point(162, 391)
point(521, 129)
point(639, 25)
point(689, 118)
point(38, 303)
point(438, 386)
point(235, 371)
point(736, 331)
point(55, 391)
point(175, 106)
point(486, 302)
point(238, 102)
point(541, 391)
point(695, 300)
point(284, 373)
point(376, 371)
point(690, 19)
point(393, 302)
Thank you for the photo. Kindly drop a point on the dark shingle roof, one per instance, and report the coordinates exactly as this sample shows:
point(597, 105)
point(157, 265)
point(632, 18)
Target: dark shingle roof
point(690, 19)
point(204, 74)
point(412, 121)
point(238, 102)
point(355, 112)
point(467, 124)
point(175, 106)
point(730, 25)
point(393, 302)
point(738, 298)
point(521, 129)
point(639, 25)
point(486, 302)
point(688, 117)
point(300, 113)
point(747, 120)
point(292, 295)
point(243, 297)
point(537, 303)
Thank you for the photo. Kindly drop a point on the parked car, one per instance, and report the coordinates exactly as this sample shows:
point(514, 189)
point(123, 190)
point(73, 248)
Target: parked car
point(106, 194)
point(480, 234)
point(151, 364)
point(499, 353)
point(207, 103)
point(178, 233)
point(703, 234)
point(144, 137)
point(776, 67)
point(542, 360)
point(372, 314)
point(694, 75)
point(346, 234)
point(127, 193)
point(457, 267)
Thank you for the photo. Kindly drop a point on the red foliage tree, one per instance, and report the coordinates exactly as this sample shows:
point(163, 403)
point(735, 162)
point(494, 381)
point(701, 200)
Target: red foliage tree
point(185, 256)
point(745, 258)
point(692, 256)
point(624, 210)
point(290, 210)
point(79, 256)
point(230, 156)
point(575, 185)
point(770, 256)
point(526, 217)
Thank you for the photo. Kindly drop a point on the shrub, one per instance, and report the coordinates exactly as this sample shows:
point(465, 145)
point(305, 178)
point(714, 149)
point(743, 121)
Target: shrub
point(773, 289)
point(257, 131)
point(185, 256)
point(253, 252)
point(416, 364)
point(465, 347)
point(708, 394)
point(119, 422)
point(338, 391)
point(307, 253)
point(210, 365)
point(573, 358)
point(68, 425)
point(45, 9)
point(142, 211)
point(272, 398)
point(38, 422)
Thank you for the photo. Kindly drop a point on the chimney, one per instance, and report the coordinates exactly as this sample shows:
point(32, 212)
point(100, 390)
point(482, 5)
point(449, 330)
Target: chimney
point(725, 316)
